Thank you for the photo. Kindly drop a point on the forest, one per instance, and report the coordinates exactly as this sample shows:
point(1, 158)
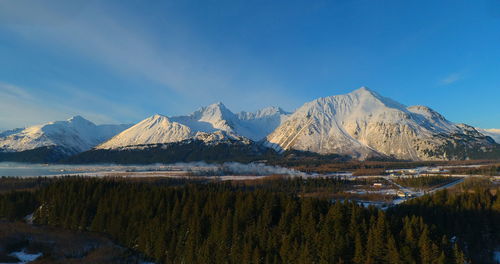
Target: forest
point(170, 221)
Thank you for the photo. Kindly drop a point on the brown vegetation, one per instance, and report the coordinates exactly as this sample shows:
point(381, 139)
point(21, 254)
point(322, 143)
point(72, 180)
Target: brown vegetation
point(330, 166)
point(60, 246)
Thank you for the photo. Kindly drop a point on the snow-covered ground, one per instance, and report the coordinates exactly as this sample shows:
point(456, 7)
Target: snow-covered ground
point(25, 257)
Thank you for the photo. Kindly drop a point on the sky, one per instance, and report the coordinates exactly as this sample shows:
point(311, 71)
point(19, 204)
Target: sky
point(122, 61)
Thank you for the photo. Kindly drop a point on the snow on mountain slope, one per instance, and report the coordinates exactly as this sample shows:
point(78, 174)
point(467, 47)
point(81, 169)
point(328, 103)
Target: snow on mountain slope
point(262, 122)
point(254, 126)
point(431, 119)
point(364, 124)
point(73, 135)
point(493, 133)
point(210, 123)
point(209, 119)
point(152, 130)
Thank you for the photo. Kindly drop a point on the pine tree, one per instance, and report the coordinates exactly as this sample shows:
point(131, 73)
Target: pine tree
point(359, 250)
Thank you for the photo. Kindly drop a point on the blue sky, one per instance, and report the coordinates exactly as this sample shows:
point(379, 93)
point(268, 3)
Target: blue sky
point(121, 61)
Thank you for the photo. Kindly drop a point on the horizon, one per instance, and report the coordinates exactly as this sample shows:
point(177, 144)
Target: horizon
point(123, 61)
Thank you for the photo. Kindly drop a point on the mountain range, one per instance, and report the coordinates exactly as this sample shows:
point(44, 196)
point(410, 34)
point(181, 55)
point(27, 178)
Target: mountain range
point(215, 120)
point(361, 124)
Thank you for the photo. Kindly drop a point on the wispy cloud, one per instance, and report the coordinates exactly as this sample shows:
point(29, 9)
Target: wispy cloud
point(180, 63)
point(21, 107)
point(452, 78)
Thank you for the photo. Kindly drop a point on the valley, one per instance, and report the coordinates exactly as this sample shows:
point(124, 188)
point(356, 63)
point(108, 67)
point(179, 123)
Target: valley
point(383, 187)
point(203, 206)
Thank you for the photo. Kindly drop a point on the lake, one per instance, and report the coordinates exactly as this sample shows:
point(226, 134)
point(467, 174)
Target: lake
point(14, 169)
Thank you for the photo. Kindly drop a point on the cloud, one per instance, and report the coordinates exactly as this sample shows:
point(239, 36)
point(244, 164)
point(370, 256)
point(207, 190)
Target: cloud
point(179, 61)
point(21, 106)
point(452, 78)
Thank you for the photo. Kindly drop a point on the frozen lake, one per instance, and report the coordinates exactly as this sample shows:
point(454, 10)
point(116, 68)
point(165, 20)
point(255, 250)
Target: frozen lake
point(14, 169)
point(11, 169)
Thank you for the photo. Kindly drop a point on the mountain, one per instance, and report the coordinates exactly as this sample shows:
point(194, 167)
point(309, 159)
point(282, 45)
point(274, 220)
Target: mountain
point(211, 122)
point(361, 125)
point(255, 126)
point(218, 146)
point(155, 129)
point(261, 123)
point(67, 137)
point(364, 124)
point(493, 133)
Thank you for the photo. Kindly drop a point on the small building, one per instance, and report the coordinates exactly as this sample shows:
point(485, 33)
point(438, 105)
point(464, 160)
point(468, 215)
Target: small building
point(377, 184)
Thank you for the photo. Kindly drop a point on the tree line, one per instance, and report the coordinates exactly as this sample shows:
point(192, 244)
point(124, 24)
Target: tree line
point(224, 223)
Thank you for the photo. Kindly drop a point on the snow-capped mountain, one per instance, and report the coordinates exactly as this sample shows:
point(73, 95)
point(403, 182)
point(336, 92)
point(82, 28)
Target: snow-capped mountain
point(493, 133)
point(207, 123)
point(360, 124)
point(261, 123)
point(254, 126)
point(152, 130)
point(364, 124)
point(71, 136)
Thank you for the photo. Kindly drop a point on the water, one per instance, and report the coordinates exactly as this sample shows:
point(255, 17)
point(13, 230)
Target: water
point(13, 169)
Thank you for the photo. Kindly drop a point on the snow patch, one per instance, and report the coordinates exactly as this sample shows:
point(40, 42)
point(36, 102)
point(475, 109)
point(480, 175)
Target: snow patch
point(25, 257)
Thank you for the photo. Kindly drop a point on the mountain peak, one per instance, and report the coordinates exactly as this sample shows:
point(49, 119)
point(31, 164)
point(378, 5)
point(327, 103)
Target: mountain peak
point(79, 120)
point(157, 116)
point(218, 105)
point(212, 112)
point(271, 110)
point(364, 89)
point(366, 94)
point(157, 119)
